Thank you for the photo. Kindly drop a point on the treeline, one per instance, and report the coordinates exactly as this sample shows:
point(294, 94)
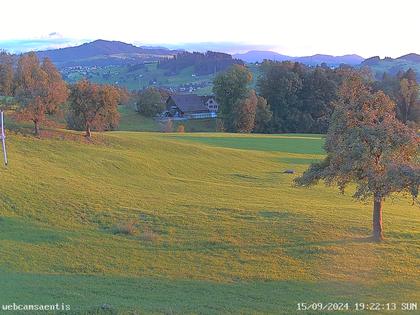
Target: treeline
point(403, 89)
point(41, 93)
point(292, 97)
point(203, 63)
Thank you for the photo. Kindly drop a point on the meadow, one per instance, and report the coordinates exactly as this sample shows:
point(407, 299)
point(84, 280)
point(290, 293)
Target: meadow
point(138, 79)
point(153, 223)
point(151, 75)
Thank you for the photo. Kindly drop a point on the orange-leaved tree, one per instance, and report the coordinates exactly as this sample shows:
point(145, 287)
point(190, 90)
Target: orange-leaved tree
point(39, 88)
point(93, 107)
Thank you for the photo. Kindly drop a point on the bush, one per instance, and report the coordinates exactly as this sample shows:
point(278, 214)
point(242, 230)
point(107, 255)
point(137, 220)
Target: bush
point(181, 129)
point(168, 126)
point(148, 235)
point(220, 127)
point(126, 228)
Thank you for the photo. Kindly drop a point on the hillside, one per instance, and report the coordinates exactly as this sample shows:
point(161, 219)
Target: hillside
point(104, 53)
point(259, 56)
point(140, 76)
point(217, 228)
point(393, 66)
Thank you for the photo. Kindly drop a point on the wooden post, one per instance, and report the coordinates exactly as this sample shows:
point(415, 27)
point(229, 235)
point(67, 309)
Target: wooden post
point(3, 138)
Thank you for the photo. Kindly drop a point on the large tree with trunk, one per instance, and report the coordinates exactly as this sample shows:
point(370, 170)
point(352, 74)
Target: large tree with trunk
point(367, 145)
point(93, 107)
point(39, 88)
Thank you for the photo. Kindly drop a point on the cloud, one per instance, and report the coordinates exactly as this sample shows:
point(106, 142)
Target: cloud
point(228, 47)
point(52, 41)
point(55, 35)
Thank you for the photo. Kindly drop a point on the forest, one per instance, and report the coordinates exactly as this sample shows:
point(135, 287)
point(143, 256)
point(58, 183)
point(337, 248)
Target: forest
point(300, 99)
point(203, 63)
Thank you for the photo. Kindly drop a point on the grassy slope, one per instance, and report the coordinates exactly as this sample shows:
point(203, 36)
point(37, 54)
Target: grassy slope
point(143, 78)
point(231, 232)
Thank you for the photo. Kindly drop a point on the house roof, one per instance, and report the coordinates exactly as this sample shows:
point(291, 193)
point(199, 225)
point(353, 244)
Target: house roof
point(189, 102)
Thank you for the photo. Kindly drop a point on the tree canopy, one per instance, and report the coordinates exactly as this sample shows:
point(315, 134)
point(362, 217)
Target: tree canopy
point(39, 88)
point(366, 144)
point(93, 107)
point(151, 102)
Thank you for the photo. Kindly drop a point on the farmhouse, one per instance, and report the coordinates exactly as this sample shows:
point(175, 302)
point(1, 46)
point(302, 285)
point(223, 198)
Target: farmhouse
point(191, 106)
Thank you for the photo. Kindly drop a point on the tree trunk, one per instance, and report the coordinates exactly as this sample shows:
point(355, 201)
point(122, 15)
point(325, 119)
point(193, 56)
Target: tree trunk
point(88, 132)
point(377, 218)
point(36, 128)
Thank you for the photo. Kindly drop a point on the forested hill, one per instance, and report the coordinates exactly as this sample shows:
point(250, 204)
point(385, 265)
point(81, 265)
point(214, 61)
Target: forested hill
point(102, 53)
point(393, 66)
point(203, 63)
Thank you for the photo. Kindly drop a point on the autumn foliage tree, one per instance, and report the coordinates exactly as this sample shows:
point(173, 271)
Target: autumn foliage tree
point(408, 96)
point(245, 110)
point(366, 144)
point(93, 107)
point(404, 91)
point(6, 74)
point(39, 88)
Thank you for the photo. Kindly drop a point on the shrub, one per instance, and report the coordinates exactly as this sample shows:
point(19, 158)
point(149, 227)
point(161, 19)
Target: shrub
point(148, 235)
point(181, 129)
point(168, 126)
point(219, 125)
point(126, 228)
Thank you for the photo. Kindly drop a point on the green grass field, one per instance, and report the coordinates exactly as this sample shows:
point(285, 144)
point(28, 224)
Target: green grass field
point(143, 77)
point(217, 228)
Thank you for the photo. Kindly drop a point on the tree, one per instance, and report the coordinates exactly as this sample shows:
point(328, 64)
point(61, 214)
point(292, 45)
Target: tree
point(230, 87)
point(150, 102)
point(319, 89)
point(39, 88)
point(245, 111)
point(6, 74)
point(403, 89)
point(367, 145)
point(281, 84)
point(93, 106)
point(408, 92)
point(262, 116)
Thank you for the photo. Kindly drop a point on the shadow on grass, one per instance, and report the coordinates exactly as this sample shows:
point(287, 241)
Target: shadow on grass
point(123, 295)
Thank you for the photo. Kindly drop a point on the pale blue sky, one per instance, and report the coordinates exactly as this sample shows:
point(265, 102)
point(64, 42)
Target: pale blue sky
point(293, 27)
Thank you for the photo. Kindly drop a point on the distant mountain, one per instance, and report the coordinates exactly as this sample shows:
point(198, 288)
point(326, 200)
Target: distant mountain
point(102, 52)
point(260, 55)
point(330, 60)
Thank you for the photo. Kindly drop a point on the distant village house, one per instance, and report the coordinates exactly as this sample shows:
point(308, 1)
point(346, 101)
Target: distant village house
point(191, 106)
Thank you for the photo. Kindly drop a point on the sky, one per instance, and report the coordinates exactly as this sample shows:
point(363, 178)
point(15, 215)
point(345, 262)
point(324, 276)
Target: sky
point(291, 27)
